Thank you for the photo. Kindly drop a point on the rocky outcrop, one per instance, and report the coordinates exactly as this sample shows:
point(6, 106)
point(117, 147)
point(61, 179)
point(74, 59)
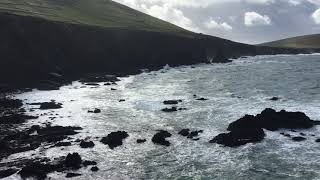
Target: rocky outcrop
point(115, 139)
point(160, 138)
point(249, 129)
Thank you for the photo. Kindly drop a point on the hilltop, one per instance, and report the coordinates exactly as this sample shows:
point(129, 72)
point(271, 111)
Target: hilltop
point(307, 41)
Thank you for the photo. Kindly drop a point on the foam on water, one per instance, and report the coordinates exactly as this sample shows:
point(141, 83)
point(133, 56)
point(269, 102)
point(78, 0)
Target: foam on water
point(235, 89)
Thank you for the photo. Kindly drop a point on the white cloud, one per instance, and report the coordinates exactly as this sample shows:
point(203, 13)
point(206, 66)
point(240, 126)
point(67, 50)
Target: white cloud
point(316, 16)
point(256, 19)
point(212, 24)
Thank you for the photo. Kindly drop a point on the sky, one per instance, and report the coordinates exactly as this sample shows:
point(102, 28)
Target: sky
point(247, 21)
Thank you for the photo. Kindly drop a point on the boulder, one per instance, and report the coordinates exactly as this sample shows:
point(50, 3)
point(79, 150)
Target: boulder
point(274, 99)
point(115, 139)
point(73, 161)
point(318, 140)
point(50, 105)
point(94, 169)
point(86, 144)
point(194, 134)
point(160, 138)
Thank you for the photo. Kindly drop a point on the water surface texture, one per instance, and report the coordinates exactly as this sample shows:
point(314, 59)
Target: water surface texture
point(235, 89)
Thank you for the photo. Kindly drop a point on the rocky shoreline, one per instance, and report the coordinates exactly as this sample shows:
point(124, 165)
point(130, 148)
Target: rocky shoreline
point(248, 129)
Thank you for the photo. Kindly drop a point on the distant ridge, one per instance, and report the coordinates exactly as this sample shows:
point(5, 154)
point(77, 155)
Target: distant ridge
point(307, 41)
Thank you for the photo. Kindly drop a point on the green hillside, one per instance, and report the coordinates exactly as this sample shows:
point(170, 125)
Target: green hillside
point(104, 13)
point(308, 41)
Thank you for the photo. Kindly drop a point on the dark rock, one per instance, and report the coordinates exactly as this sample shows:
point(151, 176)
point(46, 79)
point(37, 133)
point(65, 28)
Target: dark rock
point(85, 144)
point(184, 132)
point(299, 139)
point(173, 109)
point(160, 138)
point(171, 102)
point(7, 173)
point(89, 163)
point(38, 170)
point(94, 169)
point(73, 160)
point(70, 175)
point(113, 89)
point(10, 103)
point(274, 99)
point(182, 109)
point(194, 134)
point(50, 105)
point(107, 84)
point(202, 99)
point(115, 139)
point(285, 134)
point(95, 111)
point(271, 120)
point(140, 141)
point(318, 140)
point(15, 118)
point(239, 137)
point(91, 84)
point(61, 144)
point(302, 134)
point(122, 100)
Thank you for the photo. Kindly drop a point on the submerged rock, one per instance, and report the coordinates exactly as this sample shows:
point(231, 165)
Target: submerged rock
point(299, 139)
point(202, 99)
point(140, 141)
point(172, 109)
point(115, 139)
point(274, 99)
point(160, 138)
point(85, 144)
point(89, 163)
point(73, 160)
point(61, 144)
point(194, 134)
point(71, 175)
point(318, 140)
point(50, 105)
point(95, 111)
point(172, 102)
point(184, 132)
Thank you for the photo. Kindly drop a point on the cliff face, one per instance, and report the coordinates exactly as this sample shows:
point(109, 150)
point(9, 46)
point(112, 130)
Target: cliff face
point(308, 41)
point(31, 47)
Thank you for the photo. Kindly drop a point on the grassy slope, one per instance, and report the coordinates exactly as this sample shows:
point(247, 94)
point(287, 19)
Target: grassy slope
point(104, 13)
point(308, 41)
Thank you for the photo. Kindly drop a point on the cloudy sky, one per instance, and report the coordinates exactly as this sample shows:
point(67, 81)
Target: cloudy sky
point(249, 21)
